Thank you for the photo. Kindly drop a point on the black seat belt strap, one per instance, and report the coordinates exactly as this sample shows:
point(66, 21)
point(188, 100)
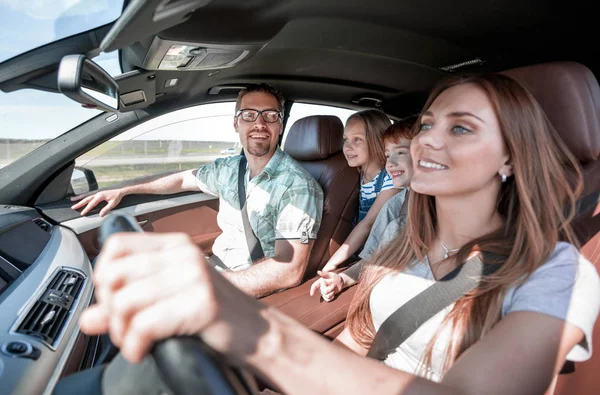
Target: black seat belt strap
point(256, 251)
point(409, 317)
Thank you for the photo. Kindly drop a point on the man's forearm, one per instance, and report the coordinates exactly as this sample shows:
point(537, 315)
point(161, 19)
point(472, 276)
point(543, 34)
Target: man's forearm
point(265, 277)
point(164, 185)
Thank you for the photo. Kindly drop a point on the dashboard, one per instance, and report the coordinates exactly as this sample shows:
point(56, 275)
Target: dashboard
point(45, 284)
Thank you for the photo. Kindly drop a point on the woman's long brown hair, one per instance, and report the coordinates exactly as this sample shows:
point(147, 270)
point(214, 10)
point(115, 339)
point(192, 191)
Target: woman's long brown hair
point(537, 205)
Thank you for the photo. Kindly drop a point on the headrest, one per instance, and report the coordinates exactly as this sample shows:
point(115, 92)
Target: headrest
point(314, 138)
point(570, 96)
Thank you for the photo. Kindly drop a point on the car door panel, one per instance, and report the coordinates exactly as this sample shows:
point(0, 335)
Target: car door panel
point(191, 213)
point(198, 220)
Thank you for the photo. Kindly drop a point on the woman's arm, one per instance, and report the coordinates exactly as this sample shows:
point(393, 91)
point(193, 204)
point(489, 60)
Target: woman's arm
point(520, 356)
point(150, 287)
point(359, 234)
point(345, 339)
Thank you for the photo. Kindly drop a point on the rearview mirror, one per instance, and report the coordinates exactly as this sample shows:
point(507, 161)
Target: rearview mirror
point(84, 81)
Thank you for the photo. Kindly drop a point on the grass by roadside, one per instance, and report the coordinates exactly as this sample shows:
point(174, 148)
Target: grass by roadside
point(108, 176)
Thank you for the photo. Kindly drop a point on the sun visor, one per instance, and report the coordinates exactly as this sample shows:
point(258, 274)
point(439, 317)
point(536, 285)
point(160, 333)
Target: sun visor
point(143, 18)
point(137, 89)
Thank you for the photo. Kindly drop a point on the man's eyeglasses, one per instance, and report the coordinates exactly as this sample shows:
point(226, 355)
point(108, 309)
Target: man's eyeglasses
point(250, 115)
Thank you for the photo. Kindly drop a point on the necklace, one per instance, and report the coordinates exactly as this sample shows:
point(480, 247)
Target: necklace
point(447, 251)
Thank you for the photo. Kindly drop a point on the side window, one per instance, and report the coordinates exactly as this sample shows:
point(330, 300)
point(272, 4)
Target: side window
point(301, 110)
point(183, 139)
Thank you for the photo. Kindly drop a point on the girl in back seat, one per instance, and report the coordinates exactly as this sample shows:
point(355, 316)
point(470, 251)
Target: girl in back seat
point(364, 150)
point(399, 166)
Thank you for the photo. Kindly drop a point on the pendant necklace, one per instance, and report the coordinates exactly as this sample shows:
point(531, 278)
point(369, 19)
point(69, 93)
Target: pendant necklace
point(447, 251)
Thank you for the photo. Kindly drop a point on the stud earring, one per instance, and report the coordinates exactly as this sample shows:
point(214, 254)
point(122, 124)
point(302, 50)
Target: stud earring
point(503, 177)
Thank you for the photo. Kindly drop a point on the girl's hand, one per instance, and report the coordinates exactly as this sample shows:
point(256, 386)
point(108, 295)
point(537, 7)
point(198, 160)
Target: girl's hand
point(329, 266)
point(330, 284)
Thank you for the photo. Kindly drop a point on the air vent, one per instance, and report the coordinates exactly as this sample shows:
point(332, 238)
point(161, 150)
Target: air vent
point(453, 67)
point(43, 224)
point(49, 314)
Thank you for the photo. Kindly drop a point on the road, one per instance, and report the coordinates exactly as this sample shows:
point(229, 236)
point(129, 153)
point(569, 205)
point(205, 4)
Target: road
point(101, 162)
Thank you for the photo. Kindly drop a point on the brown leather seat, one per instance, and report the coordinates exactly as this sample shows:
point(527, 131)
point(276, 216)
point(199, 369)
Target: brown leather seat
point(316, 143)
point(570, 96)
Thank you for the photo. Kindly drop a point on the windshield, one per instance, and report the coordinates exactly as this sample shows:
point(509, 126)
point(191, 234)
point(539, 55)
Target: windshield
point(30, 118)
point(30, 24)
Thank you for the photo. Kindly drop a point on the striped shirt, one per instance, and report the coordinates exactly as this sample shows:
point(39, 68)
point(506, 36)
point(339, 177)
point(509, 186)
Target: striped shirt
point(370, 191)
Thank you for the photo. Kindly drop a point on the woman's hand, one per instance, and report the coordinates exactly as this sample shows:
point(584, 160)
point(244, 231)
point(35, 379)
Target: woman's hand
point(150, 287)
point(330, 284)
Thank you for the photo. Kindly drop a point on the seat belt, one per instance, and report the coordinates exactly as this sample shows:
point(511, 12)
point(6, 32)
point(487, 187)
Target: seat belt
point(404, 208)
point(409, 317)
point(256, 251)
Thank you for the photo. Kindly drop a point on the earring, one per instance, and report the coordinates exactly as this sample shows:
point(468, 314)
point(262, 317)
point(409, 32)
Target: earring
point(503, 177)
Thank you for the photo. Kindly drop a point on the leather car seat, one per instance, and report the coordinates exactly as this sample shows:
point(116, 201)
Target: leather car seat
point(570, 95)
point(316, 143)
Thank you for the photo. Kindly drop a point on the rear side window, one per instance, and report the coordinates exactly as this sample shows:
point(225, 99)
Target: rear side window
point(301, 110)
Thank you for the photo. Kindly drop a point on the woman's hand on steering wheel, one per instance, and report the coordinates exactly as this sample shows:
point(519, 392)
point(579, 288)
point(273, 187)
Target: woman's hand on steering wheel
point(150, 287)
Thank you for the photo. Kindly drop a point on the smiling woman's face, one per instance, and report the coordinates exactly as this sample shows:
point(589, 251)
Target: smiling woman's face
point(459, 149)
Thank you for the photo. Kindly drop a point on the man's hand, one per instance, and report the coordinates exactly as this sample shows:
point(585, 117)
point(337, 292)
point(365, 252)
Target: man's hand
point(159, 184)
point(112, 197)
point(330, 284)
point(150, 287)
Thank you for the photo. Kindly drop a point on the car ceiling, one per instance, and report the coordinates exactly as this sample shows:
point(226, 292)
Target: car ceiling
point(333, 52)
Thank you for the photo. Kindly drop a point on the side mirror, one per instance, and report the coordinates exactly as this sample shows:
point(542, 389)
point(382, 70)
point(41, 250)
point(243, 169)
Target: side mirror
point(84, 81)
point(82, 181)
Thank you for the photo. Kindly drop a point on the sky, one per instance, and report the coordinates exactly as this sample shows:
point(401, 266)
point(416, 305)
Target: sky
point(28, 24)
point(34, 115)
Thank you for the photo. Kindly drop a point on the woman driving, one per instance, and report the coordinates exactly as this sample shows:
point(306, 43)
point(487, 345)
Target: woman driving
point(490, 174)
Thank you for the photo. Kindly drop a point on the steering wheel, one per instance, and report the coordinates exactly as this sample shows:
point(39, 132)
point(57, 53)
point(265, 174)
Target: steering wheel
point(186, 364)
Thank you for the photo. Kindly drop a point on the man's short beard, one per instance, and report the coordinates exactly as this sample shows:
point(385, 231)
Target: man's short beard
point(258, 152)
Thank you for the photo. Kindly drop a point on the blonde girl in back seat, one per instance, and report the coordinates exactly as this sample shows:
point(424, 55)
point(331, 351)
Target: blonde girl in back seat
point(364, 150)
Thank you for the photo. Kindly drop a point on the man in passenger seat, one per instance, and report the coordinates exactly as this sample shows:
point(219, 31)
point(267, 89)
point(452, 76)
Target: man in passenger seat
point(283, 202)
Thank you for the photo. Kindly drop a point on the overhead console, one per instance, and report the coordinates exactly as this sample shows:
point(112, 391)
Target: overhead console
point(178, 55)
point(154, 15)
point(143, 21)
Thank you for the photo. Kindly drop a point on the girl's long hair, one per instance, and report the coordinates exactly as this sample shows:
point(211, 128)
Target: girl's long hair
point(537, 205)
point(375, 123)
